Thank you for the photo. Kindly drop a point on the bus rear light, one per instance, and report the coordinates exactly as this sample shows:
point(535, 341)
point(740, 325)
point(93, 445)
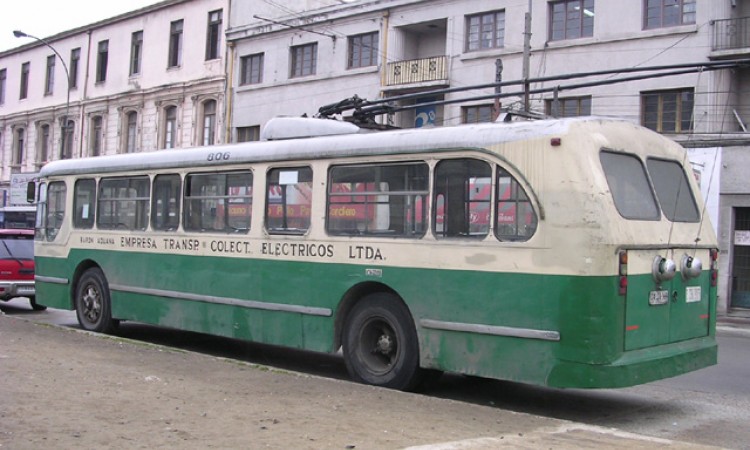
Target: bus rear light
point(623, 286)
point(714, 266)
point(623, 272)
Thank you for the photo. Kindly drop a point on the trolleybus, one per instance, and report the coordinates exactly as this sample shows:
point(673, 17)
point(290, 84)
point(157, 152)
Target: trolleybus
point(564, 253)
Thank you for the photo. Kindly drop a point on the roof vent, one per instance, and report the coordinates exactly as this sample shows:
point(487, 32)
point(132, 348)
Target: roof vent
point(280, 128)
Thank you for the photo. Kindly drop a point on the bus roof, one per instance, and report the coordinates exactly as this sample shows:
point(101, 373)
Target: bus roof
point(349, 145)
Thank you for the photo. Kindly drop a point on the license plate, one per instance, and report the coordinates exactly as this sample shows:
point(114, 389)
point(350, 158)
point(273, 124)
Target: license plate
point(658, 297)
point(693, 294)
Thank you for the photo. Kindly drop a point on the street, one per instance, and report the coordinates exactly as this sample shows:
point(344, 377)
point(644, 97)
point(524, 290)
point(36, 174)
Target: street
point(709, 407)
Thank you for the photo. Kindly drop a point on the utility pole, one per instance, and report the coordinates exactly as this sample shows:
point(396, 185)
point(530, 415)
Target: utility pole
point(526, 57)
point(498, 88)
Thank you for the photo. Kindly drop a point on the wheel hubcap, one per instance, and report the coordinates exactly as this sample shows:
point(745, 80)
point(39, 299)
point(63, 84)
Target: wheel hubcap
point(92, 304)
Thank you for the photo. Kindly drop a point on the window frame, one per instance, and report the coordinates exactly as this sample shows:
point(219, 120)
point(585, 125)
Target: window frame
point(582, 105)
point(209, 122)
point(249, 73)
point(88, 207)
point(224, 198)
point(496, 41)
point(300, 66)
point(136, 53)
point(174, 54)
point(43, 142)
point(102, 60)
point(119, 202)
point(49, 78)
point(580, 29)
point(363, 54)
point(660, 18)
point(213, 34)
point(172, 200)
point(468, 112)
point(679, 112)
point(618, 180)
point(169, 127)
point(450, 182)
point(274, 174)
point(96, 136)
point(130, 131)
point(75, 58)
point(3, 82)
point(24, 88)
point(405, 206)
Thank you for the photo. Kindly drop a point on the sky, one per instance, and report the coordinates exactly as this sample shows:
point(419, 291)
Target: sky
point(44, 18)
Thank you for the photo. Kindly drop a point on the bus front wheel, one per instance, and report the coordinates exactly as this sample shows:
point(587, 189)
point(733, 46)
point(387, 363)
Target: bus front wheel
point(93, 306)
point(380, 344)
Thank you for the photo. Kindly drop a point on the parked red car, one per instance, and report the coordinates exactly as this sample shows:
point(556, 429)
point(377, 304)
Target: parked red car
point(17, 266)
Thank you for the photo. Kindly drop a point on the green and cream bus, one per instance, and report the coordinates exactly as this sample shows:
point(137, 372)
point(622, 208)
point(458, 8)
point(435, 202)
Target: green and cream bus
point(565, 253)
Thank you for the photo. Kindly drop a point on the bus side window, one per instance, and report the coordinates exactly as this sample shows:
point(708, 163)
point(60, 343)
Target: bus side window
point(461, 198)
point(123, 203)
point(288, 200)
point(84, 203)
point(516, 219)
point(218, 202)
point(378, 200)
point(165, 204)
point(55, 209)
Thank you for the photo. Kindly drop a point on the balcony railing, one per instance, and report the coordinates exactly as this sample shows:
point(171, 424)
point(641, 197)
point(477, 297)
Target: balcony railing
point(417, 71)
point(730, 34)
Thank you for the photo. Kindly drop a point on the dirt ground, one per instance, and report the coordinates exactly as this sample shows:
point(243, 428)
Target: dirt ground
point(63, 388)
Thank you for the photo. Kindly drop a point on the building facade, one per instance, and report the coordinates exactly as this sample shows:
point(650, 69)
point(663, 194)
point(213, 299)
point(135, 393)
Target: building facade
point(163, 78)
point(388, 48)
point(146, 80)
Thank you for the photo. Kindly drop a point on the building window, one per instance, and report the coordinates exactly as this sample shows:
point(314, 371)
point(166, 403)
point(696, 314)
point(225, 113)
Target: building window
point(131, 131)
point(97, 137)
point(247, 134)
point(485, 31)
point(213, 35)
point(304, 60)
point(102, 57)
point(49, 79)
point(19, 146)
point(252, 69)
point(668, 111)
point(169, 127)
point(209, 123)
point(67, 142)
point(476, 114)
point(571, 19)
point(175, 44)
point(136, 50)
point(363, 50)
point(668, 13)
point(3, 77)
point(75, 57)
point(569, 107)
point(24, 91)
point(44, 140)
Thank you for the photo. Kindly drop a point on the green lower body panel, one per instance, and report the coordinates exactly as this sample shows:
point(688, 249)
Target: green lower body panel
point(638, 367)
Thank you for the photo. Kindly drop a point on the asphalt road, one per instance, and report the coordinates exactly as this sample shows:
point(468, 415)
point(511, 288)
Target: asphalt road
point(710, 406)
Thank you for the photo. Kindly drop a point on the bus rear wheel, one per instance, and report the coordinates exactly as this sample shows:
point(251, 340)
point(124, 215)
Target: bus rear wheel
point(93, 306)
point(380, 344)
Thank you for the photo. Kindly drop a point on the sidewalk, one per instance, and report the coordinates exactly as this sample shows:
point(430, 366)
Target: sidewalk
point(65, 388)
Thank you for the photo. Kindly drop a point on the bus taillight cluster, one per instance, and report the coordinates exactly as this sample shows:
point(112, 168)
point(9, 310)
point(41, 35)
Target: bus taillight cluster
point(623, 271)
point(714, 266)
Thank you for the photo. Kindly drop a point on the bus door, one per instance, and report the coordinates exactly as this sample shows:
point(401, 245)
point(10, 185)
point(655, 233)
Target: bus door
point(672, 305)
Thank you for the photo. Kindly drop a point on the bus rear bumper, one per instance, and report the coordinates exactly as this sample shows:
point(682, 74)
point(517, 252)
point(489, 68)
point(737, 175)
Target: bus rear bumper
point(638, 366)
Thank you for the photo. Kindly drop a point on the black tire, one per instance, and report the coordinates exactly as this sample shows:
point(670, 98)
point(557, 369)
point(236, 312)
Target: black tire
point(36, 306)
point(93, 306)
point(380, 344)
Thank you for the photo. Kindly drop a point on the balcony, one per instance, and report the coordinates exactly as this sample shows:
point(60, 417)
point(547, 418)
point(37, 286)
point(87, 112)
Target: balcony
point(417, 72)
point(730, 38)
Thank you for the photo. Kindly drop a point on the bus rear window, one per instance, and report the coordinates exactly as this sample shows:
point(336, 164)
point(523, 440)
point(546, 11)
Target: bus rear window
point(629, 185)
point(673, 190)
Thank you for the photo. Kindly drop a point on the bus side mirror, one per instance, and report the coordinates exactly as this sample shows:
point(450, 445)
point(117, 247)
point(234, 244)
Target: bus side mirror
point(30, 192)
